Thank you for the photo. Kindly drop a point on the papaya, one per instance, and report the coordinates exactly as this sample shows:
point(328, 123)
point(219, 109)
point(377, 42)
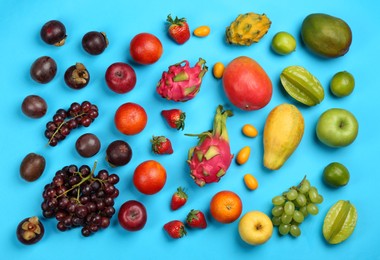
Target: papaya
point(326, 35)
point(283, 131)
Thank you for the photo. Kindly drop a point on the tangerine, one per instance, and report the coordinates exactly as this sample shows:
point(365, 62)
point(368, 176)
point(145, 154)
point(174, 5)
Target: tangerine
point(149, 177)
point(130, 118)
point(226, 206)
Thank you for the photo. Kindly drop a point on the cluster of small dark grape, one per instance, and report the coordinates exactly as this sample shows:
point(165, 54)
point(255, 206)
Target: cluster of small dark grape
point(66, 120)
point(77, 197)
point(293, 206)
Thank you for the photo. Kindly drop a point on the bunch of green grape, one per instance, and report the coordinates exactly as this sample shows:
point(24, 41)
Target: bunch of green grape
point(293, 206)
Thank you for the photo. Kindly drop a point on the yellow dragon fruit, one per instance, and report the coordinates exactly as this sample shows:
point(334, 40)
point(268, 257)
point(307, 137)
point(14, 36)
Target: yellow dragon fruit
point(211, 158)
point(247, 29)
point(182, 82)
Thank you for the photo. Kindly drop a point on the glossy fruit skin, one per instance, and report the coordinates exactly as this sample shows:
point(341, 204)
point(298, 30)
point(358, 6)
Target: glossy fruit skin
point(283, 43)
point(145, 48)
point(336, 175)
point(218, 70)
point(337, 127)
point(226, 206)
point(87, 145)
point(54, 33)
point(178, 29)
point(43, 69)
point(340, 222)
point(202, 31)
point(132, 215)
point(342, 84)
point(255, 228)
point(246, 84)
point(161, 145)
point(301, 85)
point(34, 106)
point(179, 199)
point(118, 153)
point(175, 229)
point(249, 130)
point(120, 77)
point(326, 35)
point(250, 181)
point(32, 233)
point(149, 177)
point(94, 43)
point(130, 118)
point(243, 155)
point(32, 167)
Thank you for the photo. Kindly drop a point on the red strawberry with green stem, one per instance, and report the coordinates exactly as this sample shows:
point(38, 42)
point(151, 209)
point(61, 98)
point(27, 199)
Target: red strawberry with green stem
point(175, 229)
point(161, 145)
point(175, 118)
point(196, 219)
point(178, 29)
point(179, 199)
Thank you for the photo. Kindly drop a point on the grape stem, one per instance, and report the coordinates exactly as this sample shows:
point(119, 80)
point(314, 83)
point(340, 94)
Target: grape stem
point(80, 183)
point(299, 185)
point(61, 124)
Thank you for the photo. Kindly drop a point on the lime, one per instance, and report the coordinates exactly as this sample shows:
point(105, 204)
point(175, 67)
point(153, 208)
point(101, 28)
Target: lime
point(336, 174)
point(342, 84)
point(283, 43)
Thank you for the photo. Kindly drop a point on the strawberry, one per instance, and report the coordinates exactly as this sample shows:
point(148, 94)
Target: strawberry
point(161, 145)
point(175, 229)
point(178, 29)
point(175, 118)
point(179, 199)
point(196, 219)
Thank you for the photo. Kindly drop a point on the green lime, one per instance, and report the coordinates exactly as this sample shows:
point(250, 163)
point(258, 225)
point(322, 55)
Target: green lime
point(283, 43)
point(342, 84)
point(336, 174)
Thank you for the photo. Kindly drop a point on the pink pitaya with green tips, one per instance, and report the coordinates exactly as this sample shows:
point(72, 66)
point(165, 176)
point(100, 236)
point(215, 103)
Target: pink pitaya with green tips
point(211, 158)
point(182, 82)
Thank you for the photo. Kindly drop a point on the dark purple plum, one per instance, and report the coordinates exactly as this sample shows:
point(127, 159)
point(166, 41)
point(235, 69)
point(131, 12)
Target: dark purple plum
point(32, 167)
point(34, 106)
point(54, 33)
point(87, 145)
point(43, 69)
point(94, 43)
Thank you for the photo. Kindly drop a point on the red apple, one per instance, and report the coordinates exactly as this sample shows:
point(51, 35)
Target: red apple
point(120, 77)
point(246, 84)
point(132, 215)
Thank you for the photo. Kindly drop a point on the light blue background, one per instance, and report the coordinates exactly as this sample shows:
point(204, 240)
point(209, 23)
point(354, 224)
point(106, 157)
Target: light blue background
point(121, 20)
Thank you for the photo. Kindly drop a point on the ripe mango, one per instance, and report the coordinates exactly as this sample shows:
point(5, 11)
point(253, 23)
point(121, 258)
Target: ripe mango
point(326, 35)
point(283, 131)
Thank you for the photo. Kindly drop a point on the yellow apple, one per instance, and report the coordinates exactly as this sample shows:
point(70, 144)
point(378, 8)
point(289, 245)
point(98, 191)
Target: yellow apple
point(255, 228)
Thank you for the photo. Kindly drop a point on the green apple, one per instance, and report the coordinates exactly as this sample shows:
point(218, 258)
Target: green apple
point(342, 84)
point(337, 127)
point(336, 175)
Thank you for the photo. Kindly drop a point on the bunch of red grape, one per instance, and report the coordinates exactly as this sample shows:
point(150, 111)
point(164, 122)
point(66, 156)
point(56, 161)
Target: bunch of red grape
point(77, 197)
point(66, 120)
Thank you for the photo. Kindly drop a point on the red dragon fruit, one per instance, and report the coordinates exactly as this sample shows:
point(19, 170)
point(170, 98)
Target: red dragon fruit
point(211, 158)
point(181, 82)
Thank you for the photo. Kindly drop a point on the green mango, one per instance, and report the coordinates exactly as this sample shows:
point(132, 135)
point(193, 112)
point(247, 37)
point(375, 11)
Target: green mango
point(326, 35)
